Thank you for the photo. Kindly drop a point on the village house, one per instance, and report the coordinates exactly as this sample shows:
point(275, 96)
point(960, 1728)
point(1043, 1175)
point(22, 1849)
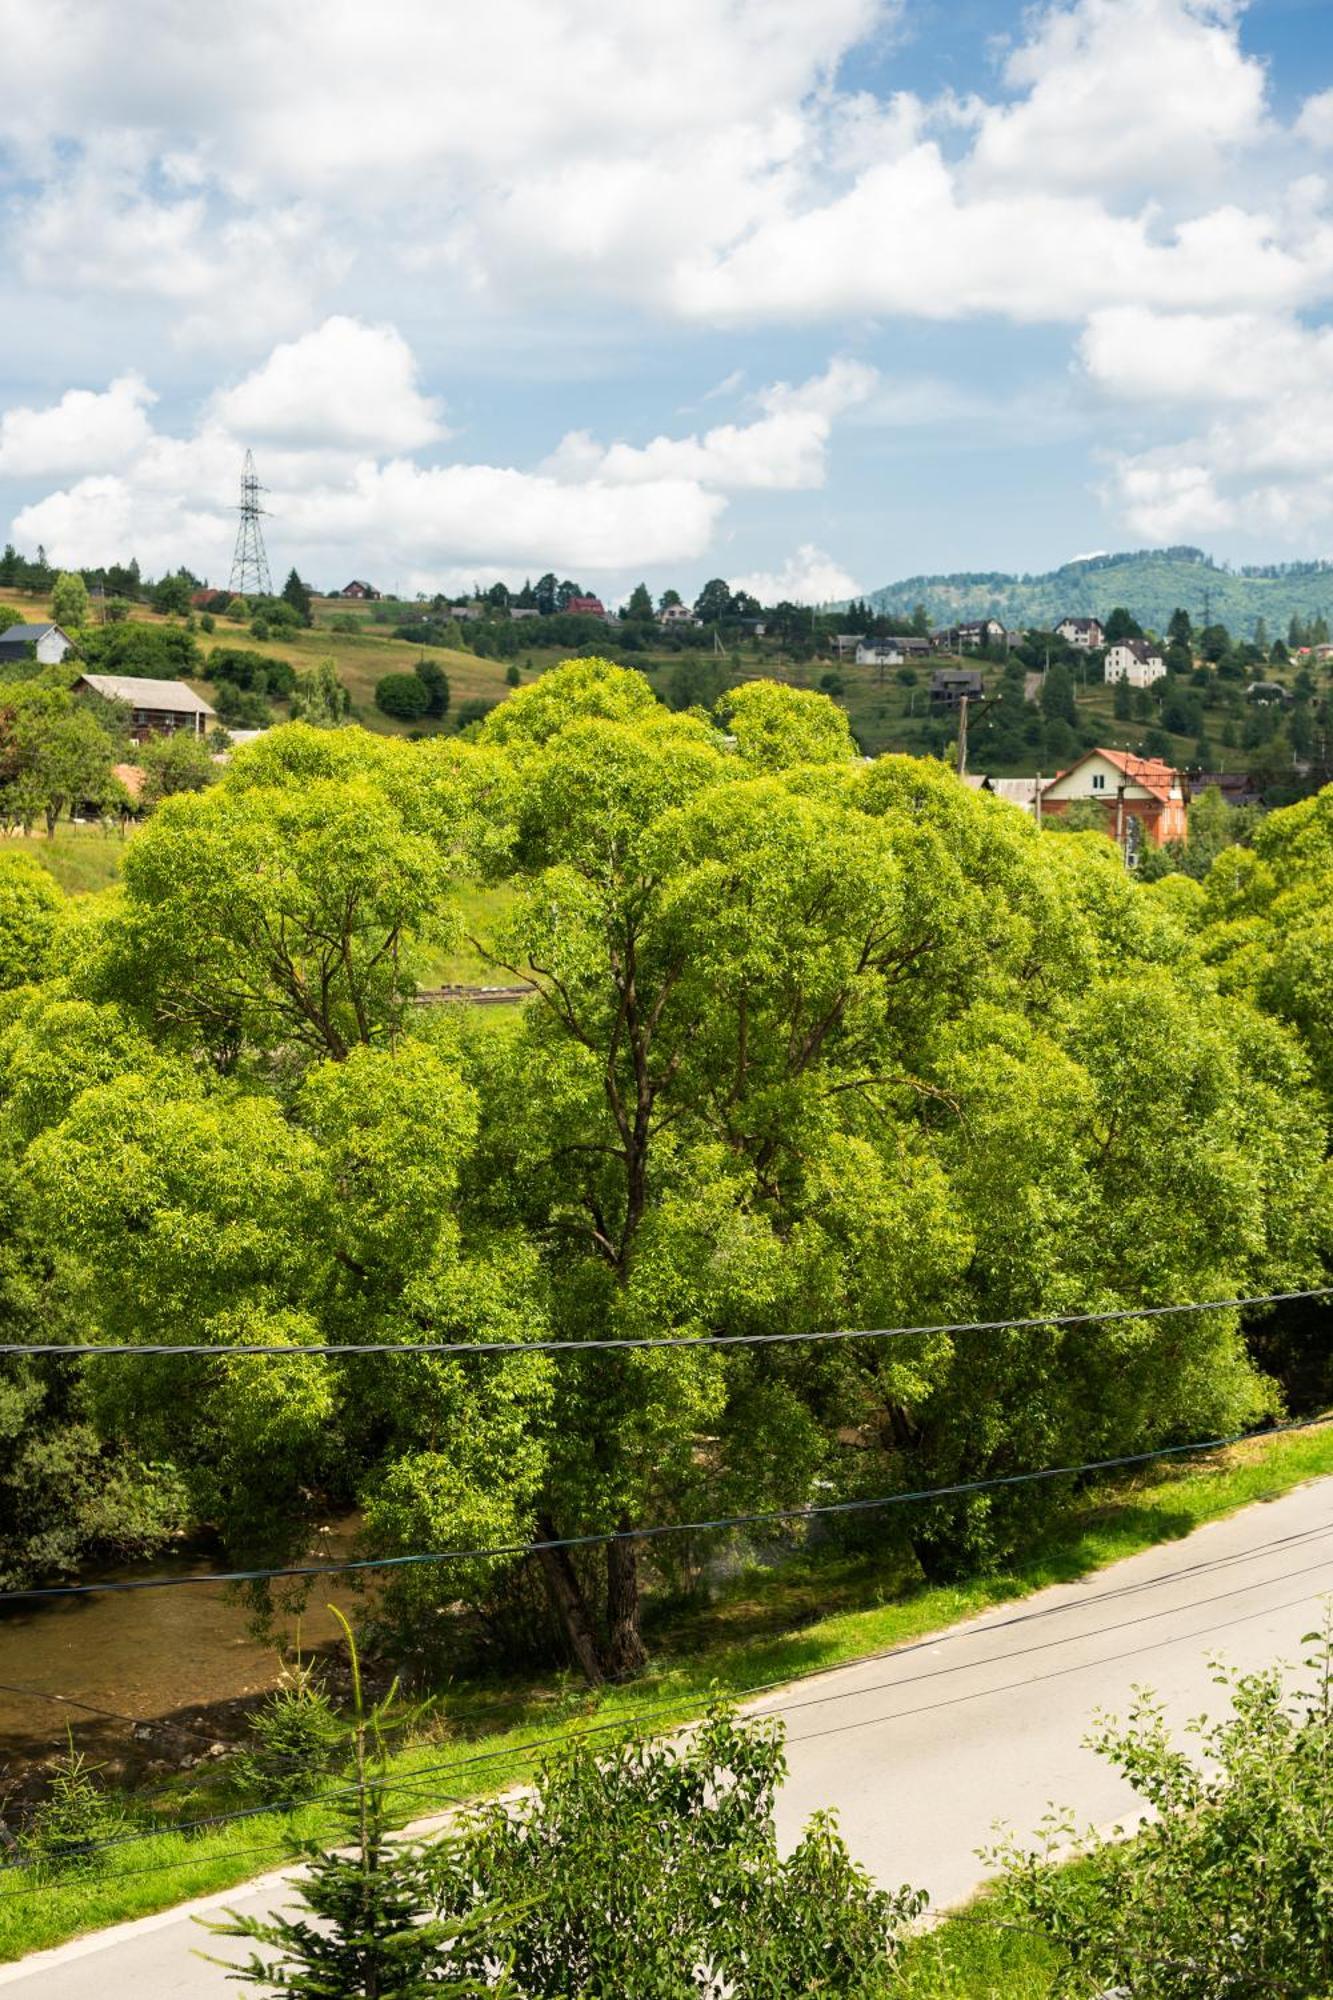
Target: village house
point(1020, 792)
point(1085, 633)
point(845, 644)
point(949, 686)
point(588, 607)
point(879, 653)
point(677, 614)
point(157, 708)
point(1140, 796)
point(357, 588)
point(1269, 693)
point(50, 645)
point(968, 637)
point(1135, 661)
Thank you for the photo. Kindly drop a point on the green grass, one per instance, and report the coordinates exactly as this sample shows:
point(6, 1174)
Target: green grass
point(975, 1956)
point(769, 1627)
point(82, 859)
point(479, 911)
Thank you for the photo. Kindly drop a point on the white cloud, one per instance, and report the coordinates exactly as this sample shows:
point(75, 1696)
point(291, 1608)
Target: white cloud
point(1259, 391)
point(167, 498)
point(86, 431)
point(808, 577)
point(785, 449)
point(1315, 124)
point(345, 384)
point(1137, 93)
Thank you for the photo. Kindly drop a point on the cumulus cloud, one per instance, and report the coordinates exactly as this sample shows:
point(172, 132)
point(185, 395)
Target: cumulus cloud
point(807, 577)
point(784, 449)
point(86, 431)
point(1120, 93)
point(316, 404)
point(344, 384)
point(1259, 453)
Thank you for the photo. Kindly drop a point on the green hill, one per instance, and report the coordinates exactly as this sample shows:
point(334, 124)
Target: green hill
point(1149, 582)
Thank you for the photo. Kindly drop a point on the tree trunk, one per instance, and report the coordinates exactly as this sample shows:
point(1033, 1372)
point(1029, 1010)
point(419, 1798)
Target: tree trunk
point(568, 1604)
point(626, 1653)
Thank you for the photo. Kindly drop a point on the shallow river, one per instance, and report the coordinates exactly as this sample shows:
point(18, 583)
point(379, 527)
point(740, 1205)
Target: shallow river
point(186, 1659)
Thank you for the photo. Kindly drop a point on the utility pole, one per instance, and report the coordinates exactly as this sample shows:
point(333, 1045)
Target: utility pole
point(1036, 803)
point(962, 736)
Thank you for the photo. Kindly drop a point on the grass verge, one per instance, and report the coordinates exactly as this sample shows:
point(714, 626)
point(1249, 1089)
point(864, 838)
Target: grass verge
point(82, 859)
point(483, 1735)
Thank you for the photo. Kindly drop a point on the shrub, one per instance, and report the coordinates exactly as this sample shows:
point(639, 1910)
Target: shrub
point(628, 1870)
point(403, 695)
point(513, 677)
point(475, 710)
point(77, 1814)
point(1229, 1889)
point(207, 621)
point(259, 625)
point(298, 1738)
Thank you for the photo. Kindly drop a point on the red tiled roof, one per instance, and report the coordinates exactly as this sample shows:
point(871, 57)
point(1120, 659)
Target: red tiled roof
point(1156, 777)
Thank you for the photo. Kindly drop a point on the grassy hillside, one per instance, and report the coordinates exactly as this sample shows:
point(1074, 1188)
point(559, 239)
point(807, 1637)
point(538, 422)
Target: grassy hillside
point(1149, 582)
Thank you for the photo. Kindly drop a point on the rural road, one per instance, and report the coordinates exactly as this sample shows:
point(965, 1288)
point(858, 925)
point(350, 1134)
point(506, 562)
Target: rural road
point(923, 1750)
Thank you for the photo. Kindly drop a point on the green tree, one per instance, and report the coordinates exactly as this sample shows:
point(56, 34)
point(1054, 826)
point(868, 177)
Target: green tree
point(298, 596)
point(181, 762)
point(30, 903)
point(640, 605)
point(69, 601)
point(320, 699)
point(436, 682)
point(406, 696)
point(1180, 629)
point(58, 752)
point(172, 595)
point(778, 727)
point(714, 600)
point(1228, 1888)
point(369, 1932)
point(1121, 625)
point(1057, 695)
point(631, 1866)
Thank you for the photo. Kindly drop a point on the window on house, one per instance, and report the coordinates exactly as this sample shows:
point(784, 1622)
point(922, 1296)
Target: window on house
point(1099, 781)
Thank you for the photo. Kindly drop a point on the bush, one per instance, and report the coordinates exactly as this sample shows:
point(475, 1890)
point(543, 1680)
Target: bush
point(259, 625)
point(475, 710)
point(298, 1738)
point(1229, 1889)
point(345, 621)
point(241, 710)
point(513, 678)
point(77, 1814)
point(405, 696)
point(628, 1869)
point(207, 622)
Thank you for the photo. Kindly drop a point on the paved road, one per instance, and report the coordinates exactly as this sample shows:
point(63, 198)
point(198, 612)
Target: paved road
point(923, 1750)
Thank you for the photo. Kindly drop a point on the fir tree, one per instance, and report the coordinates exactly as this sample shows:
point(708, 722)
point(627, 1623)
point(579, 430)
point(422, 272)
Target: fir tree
point(368, 1932)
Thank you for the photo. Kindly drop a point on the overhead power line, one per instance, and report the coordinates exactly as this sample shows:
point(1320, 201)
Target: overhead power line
point(698, 1343)
point(412, 1782)
point(655, 1530)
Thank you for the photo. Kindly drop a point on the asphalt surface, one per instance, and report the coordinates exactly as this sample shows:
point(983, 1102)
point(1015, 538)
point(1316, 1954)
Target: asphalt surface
point(922, 1752)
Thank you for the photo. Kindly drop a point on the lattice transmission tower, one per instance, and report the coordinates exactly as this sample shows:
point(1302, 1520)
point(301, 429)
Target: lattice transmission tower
point(249, 564)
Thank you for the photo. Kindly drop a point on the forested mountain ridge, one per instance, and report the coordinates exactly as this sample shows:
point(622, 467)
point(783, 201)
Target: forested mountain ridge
point(1151, 582)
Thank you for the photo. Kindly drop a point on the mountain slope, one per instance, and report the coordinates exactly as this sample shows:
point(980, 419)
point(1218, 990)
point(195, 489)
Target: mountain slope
point(1149, 582)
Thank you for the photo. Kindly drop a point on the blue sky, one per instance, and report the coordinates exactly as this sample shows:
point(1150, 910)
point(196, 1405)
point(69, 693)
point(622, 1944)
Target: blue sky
point(810, 298)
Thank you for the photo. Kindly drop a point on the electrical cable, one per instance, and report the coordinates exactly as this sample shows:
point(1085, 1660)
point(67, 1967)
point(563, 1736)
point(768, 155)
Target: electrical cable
point(133, 1350)
point(410, 1781)
point(655, 1530)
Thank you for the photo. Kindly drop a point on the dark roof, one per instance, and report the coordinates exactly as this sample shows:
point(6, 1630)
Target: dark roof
point(28, 635)
point(967, 677)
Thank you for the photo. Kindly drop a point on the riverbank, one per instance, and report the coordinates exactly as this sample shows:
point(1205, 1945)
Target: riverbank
point(481, 1743)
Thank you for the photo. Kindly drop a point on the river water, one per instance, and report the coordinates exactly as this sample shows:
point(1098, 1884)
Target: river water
point(185, 1662)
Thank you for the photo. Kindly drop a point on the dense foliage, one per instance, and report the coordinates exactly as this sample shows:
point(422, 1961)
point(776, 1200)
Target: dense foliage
point(1229, 1888)
point(811, 1043)
point(642, 1870)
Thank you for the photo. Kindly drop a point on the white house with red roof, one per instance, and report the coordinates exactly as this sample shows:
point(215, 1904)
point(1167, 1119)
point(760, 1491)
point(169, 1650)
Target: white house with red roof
point(1142, 790)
